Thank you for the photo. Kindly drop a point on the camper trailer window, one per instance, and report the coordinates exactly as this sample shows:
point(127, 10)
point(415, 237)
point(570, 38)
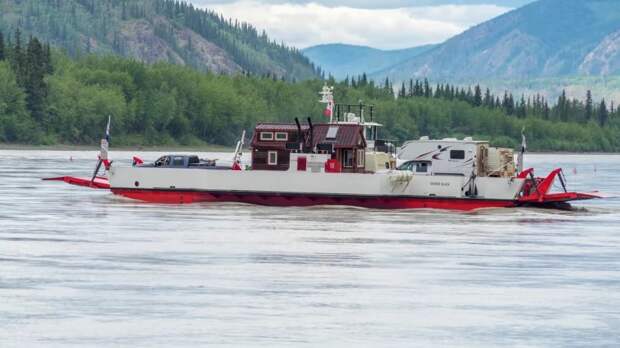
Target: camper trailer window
point(457, 154)
point(422, 167)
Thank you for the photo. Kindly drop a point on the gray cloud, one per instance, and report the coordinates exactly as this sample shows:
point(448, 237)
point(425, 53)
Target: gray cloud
point(308, 24)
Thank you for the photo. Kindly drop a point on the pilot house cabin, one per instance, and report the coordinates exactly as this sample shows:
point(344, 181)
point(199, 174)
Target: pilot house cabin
point(341, 147)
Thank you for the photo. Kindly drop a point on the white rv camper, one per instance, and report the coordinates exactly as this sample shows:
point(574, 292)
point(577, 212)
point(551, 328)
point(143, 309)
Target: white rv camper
point(451, 156)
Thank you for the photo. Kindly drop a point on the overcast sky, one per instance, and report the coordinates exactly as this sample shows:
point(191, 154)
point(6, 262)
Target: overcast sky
point(386, 24)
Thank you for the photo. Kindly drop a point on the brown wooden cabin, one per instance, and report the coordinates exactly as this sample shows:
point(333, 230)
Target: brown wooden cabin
point(272, 144)
point(269, 145)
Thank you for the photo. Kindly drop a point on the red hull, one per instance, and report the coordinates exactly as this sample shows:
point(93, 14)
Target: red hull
point(283, 200)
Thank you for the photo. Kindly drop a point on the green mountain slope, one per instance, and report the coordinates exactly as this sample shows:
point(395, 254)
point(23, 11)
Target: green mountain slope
point(547, 38)
point(342, 60)
point(153, 31)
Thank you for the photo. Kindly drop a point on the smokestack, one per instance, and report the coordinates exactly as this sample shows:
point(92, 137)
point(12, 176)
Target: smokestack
point(311, 133)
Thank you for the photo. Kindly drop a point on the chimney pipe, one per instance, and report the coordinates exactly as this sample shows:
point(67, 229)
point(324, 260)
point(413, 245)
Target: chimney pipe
point(311, 133)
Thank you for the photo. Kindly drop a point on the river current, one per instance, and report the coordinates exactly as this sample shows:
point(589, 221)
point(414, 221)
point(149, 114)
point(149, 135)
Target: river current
point(81, 267)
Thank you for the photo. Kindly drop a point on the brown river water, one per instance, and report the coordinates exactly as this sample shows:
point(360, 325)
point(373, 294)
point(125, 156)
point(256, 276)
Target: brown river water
point(81, 267)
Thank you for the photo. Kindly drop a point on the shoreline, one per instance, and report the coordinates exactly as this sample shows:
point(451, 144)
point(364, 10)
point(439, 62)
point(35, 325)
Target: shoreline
point(207, 148)
point(149, 148)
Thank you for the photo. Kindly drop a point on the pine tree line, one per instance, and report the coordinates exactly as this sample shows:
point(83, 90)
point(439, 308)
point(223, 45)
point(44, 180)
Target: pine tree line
point(564, 110)
point(58, 99)
point(31, 63)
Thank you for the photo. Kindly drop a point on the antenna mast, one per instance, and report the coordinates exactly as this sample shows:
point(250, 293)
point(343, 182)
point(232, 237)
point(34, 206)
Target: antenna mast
point(327, 98)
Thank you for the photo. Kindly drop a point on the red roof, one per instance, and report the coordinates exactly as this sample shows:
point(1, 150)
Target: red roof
point(346, 135)
point(277, 127)
point(273, 127)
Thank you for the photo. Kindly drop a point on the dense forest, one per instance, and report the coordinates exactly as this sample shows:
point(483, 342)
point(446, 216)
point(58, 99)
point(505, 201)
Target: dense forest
point(154, 31)
point(47, 97)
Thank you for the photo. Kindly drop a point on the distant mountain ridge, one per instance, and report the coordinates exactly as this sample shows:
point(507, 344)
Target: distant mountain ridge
point(342, 60)
point(153, 31)
point(547, 38)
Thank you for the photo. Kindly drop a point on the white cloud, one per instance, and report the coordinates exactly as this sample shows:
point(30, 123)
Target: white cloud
point(304, 25)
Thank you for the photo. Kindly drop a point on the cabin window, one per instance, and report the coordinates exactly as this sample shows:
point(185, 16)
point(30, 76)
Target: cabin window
point(457, 154)
point(272, 158)
point(281, 136)
point(347, 158)
point(266, 136)
point(361, 154)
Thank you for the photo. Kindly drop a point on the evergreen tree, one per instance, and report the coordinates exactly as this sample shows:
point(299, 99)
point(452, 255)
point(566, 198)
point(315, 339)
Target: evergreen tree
point(18, 60)
point(589, 106)
point(477, 96)
point(488, 99)
point(469, 97)
point(603, 114)
point(49, 68)
point(418, 90)
point(34, 83)
point(403, 91)
point(410, 91)
point(439, 91)
point(427, 89)
point(562, 107)
point(522, 108)
point(2, 50)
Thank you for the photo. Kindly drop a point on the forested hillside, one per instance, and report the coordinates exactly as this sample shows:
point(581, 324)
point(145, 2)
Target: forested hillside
point(47, 97)
point(154, 31)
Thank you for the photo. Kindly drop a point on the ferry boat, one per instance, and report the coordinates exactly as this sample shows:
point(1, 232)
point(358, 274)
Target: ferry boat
point(340, 162)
